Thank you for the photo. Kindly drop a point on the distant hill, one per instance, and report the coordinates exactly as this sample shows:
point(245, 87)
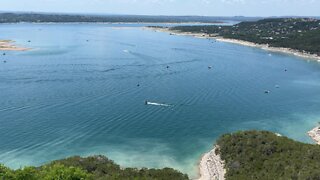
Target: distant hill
point(66, 18)
point(301, 34)
point(264, 155)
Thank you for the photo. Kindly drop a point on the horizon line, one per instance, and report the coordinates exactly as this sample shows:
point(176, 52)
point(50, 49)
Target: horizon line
point(115, 14)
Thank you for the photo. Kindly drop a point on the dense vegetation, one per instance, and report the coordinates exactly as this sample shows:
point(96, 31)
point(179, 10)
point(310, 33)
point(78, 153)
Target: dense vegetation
point(65, 18)
point(247, 155)
point(264, 155)
point(302, 34)
point(91, 168)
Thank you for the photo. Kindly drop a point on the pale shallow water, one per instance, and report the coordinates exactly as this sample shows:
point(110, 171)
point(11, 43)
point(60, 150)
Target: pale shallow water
point(69, 96)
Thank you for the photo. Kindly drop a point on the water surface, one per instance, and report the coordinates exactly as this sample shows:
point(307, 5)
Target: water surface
point(77, 93)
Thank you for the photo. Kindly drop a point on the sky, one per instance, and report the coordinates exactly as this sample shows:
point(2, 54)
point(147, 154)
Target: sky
point(170, 7)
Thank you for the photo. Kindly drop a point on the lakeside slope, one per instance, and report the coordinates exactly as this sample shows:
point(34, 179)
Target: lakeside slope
point(297, 36)
point(216, 37)
point(261, 155)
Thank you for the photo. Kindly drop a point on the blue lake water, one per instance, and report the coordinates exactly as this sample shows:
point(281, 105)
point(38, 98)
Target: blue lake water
point(76, 93)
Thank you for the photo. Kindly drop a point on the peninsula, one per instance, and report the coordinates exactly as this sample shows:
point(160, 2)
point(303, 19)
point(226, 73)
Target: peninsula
point(260, 155)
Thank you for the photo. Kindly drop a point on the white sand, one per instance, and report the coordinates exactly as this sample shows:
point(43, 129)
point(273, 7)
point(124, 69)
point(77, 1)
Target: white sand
point(315, 134)
point(245, 43)
point(211, 167)
point(273, 49)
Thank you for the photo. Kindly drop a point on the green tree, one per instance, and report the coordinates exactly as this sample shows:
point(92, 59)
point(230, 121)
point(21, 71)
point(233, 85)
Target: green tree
point(6, 173)
point(61, 172)
point(27, 173)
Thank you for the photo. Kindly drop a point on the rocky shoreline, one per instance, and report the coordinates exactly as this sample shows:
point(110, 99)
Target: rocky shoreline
point(315, 134)
point(211, 166)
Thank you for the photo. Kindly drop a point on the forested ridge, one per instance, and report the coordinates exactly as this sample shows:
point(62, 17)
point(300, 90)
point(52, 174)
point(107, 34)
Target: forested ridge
point(301, 34)
point(264, 155)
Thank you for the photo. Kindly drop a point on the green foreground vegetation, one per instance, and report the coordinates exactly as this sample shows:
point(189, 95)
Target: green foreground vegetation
point(248, 155)
point(264, 155)
point(301, 34)
point(91, 168)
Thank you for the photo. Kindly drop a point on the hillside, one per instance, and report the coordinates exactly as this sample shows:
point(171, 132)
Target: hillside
point(91, 168)
point(246, 155)
point(264, 155)
point(301, 34)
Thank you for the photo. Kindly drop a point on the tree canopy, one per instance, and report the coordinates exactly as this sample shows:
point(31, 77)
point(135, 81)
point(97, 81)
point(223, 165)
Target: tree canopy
point(264, 155)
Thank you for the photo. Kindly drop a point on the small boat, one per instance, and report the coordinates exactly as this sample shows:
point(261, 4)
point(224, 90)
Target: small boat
point(209, 67)
point(277, 86)
point(168, 67)
point(266, 91)
point(156, 104)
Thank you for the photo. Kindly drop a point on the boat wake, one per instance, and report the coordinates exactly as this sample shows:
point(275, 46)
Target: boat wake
point(157, 104)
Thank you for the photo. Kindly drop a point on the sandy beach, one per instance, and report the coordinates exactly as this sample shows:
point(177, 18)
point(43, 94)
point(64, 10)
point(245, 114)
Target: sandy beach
point(266, 47)
point(7, 45)
point(315, 134)
point(211, 166)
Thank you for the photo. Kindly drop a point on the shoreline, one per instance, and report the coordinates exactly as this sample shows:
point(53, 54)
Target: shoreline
point(211, 166)
point(266, 47)
point(7, 45)
point(315, 134)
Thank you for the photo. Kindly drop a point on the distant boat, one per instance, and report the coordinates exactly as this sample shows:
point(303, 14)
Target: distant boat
point(266, 91)
point(209, 67)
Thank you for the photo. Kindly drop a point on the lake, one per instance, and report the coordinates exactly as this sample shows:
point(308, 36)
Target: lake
point(82, 88)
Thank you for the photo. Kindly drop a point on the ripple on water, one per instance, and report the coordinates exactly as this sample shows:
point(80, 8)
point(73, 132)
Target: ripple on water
point(82, 98)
